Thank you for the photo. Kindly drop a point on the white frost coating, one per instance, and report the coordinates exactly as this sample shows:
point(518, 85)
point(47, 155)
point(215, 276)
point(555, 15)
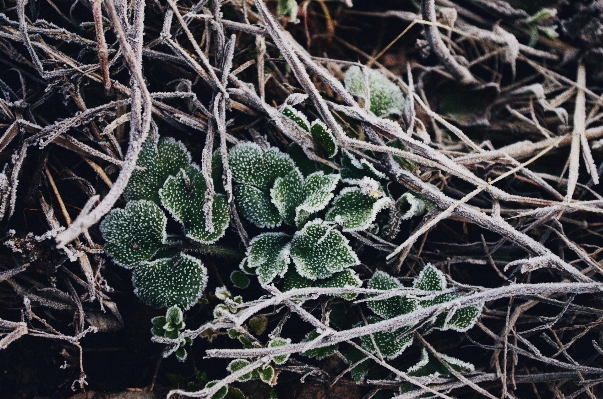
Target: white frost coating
point(355, 170)
point(383, 96)
point(300, 119)
point(430, 279)
point(269, 253)
point(422, 362)
point(323, 136)
point(354, 210)
point(417, 206)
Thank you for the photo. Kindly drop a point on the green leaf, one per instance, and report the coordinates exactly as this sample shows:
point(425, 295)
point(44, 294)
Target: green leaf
point(156, 163)
point(297, 199)
point(134, 234)
point(429, 366)
point(288, 8)
point(391, 344)
point(174, 319)
point(318, 251)
point(256, 171)
point(417, 205)
point(237, 365)
point(306, 165)
point(345, 279)
point(266, 374)
point(430, 279)
point(280, 359)
point(177, 281)
point(355, 357)
point(390, 307)
point(296, 116)
point(318, 353)
point(355, 209)
point(181, 354)
point(221, 392)
point(183, 196)
point(255, 205)
point(463, 319)
point(269, 254)
point(324, 138)
point(354, 170)
point(239, 279)
point(293, 281)
point(385, 97)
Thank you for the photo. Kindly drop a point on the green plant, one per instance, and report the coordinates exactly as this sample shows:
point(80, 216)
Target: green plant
point(382, 97)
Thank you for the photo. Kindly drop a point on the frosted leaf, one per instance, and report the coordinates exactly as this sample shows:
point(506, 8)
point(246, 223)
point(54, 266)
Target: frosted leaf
point(255, 205)
point(390, 343)
point(221, 392)
point(354, 170)
point(174, 319)
point(280, 359)
point(384, 96)
point(417, 205)
point(449, 296)
point(297, 117)
point(359, 360)
point(237, 365)
point(297, 199)
point(462, 319)
point(239, 279)
point(318, 251)
point(269, 254)
point(294, 281)
point(430, 279)
point(324, 138)
point(183, 196)
point(256, 170)
point(134, 234)
point(288, 8)
point(252, 165)
point(177, 281)
point(354, 210)
point(181, 353)
point(345, 279)
point(390, 307)
point(304, 163)
point(429, 366)
point(266, 374)
point(318, 353)
point(159, 162)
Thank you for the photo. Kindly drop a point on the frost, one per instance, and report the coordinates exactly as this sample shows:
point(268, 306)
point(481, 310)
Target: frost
point(256, 171)
point(390, 307)
point(318, 251)
point(318, 353)
point(430, 279)
point(359, 361)
point(324, 138)
point(134, 234)
point(266, 373)
point(390, 343)
point(237, 365)
point(429, 366)
point(384, 97)
point(177, 281)
point(269, 254)
point(297, 199)
point(157, 163)
point(417, 205)
point(355, 210)
point(297, 117)
point(221, 392)
point(294, 281)
point(345, 279)
point(280, 359)
point(462, 319)
point(353, 170)
point(183, 196)
point(288, 8)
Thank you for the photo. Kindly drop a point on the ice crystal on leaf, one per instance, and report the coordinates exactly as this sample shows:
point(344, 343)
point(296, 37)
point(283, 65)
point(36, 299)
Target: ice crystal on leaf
point(429, 366)
point(384, 97)
point(134, 234)
point(256, 171)
point(177, 281)
point(268, 253)
point(356, 210)
point(297, 117)
point(389, 343)
point(324, 138)
point(156, 163)
point(354, 170)
point(318, 251)
point(430, 279)
point(183, 196)
point(296, 199)
point(417, 205)
point(390, 307)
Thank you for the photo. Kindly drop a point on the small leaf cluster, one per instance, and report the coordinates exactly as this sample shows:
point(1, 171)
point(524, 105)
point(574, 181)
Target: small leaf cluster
point(165, 180)
point(381, 96)
point(171, 326)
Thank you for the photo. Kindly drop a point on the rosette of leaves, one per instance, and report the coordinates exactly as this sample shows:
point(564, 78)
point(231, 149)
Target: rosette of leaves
point(136, 234)
point(381, 96)
point(317, 251)
point(256, 171)
point(171, 326)
point(320, 133)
